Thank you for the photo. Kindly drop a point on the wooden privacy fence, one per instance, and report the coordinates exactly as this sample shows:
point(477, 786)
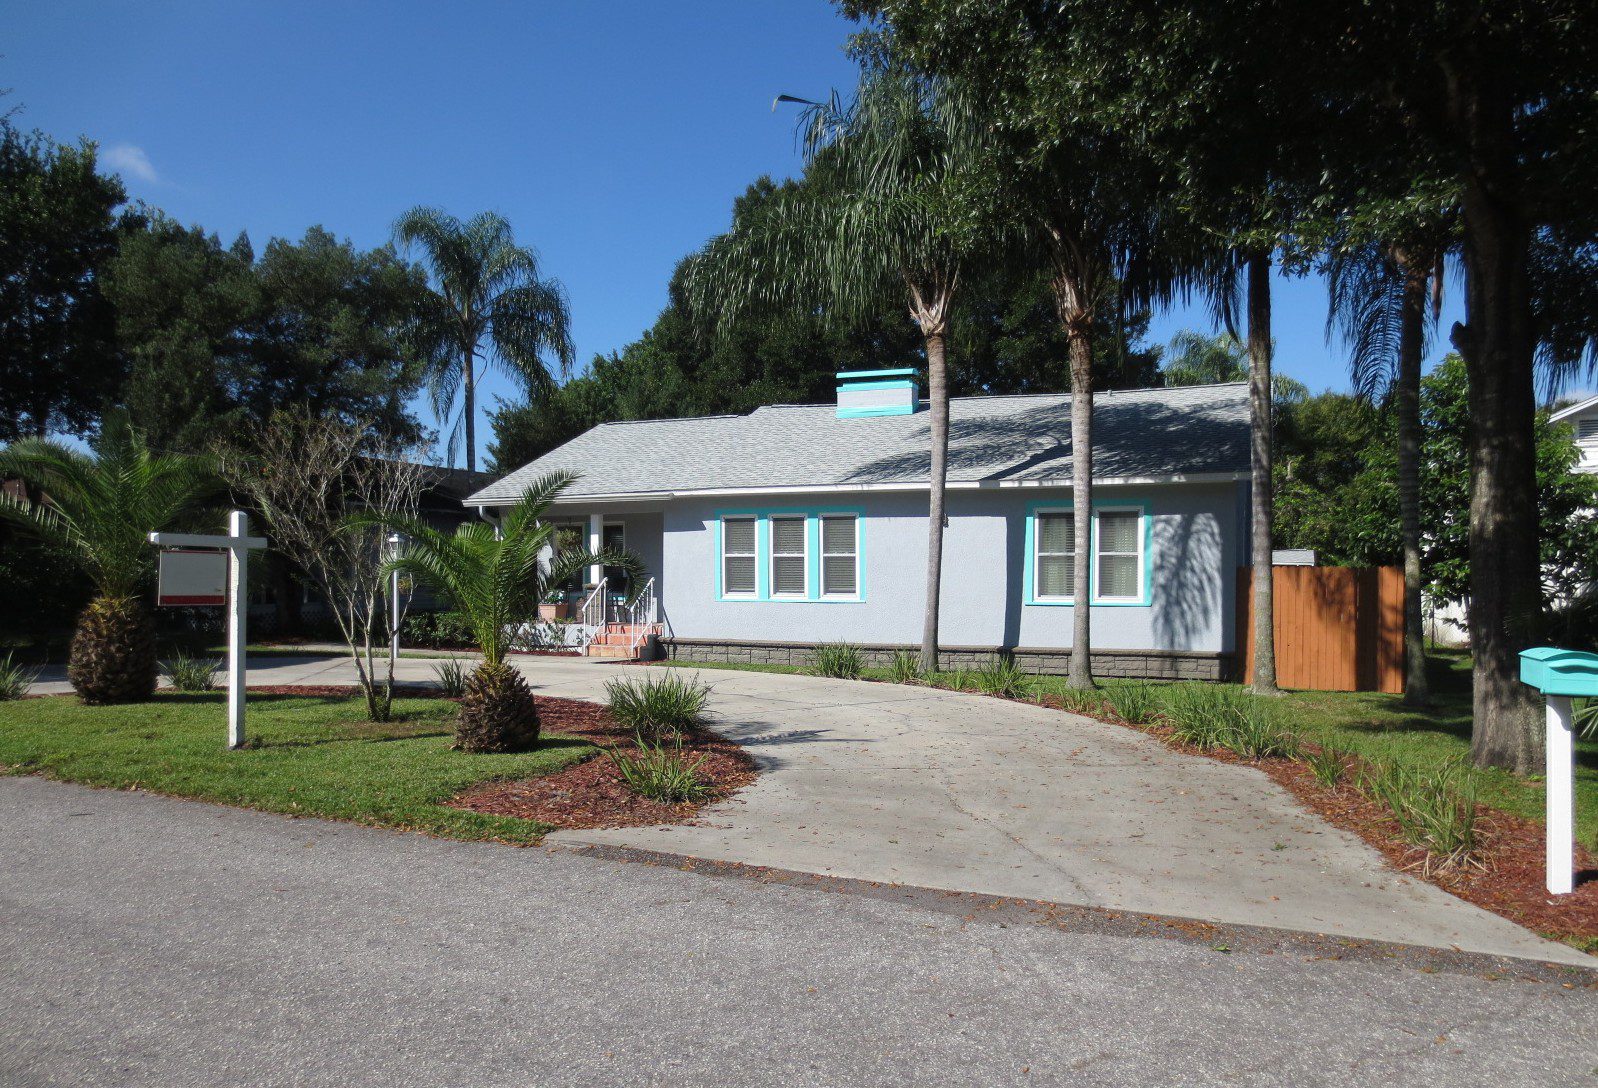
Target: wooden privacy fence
point(1337, 628)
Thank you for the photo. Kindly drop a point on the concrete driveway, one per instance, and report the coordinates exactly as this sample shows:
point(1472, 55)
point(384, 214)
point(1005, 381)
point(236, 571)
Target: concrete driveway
point(935, 789)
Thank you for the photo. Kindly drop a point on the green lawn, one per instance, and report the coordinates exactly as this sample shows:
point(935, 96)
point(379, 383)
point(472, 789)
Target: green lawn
point(308, 756)
point(1377, 727)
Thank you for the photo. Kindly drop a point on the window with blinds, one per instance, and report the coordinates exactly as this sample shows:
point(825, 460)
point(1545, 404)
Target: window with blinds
point(1587, 432)
point(738, 557)
point(839, 556)
point(1119, 563)
point(1055, 542)
point(788, 559)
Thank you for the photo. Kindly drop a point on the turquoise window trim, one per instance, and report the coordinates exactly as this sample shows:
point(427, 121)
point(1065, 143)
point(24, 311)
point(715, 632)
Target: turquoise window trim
point(1146, 523)
point(812, 516)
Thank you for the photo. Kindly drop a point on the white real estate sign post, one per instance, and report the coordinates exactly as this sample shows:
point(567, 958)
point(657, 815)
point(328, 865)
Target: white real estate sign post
point(190, 576)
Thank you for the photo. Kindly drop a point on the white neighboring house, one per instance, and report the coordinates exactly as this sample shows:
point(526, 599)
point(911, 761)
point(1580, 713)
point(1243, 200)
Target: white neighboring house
point(1446, 623)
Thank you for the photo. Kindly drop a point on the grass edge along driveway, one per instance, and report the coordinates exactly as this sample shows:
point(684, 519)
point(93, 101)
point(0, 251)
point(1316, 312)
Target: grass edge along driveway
point(308, 756)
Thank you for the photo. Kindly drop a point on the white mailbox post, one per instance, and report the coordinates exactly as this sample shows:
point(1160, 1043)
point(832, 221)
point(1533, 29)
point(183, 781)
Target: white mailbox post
point(236, 545)
point(1559, 675)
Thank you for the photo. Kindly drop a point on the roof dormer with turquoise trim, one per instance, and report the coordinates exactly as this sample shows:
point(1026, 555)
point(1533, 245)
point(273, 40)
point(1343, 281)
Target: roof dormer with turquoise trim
point(863, 393)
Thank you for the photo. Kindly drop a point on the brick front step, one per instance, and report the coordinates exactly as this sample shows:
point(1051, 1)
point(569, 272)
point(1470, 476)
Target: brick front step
point(623, 653)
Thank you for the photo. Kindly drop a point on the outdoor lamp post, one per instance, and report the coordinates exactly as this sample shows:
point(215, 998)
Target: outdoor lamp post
point(1559, 675)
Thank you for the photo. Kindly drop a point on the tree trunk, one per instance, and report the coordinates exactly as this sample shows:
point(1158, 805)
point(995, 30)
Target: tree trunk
point(469, 387)
point(938, 394)
point(1498, 344)
point(1406, 402)
point(1259, 410)
point(1076, 318)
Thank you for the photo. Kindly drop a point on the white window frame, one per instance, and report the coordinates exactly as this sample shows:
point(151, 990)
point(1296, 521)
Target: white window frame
point(821, 532)
point(1142, 553)
point(1038, 553)
point(753, 554)
point(803, 555)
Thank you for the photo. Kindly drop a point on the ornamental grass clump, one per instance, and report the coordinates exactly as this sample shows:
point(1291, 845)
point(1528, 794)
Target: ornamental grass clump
point(451, 676)
point(1255, 733)
point(660, 773)
point(663, 706)
point(1435, 807)
point(15, 679)
point(838, 660)
point(1001, 676)
point(193, 673)
point(1134, 703)
point(1088, 701)
point(905, 668)
point(1326, 763)
point(1203, 715)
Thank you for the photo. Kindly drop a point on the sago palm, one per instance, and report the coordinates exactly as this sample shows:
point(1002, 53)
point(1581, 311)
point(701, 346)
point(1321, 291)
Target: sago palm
point(891, 205)
point(100, 509)
point(496, 579)
point(489, 300)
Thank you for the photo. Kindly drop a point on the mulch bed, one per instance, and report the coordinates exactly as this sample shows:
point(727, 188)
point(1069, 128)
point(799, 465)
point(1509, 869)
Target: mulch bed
point(1508, 873)
point(591, 794)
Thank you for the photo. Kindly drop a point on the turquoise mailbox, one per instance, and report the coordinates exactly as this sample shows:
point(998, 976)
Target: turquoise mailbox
point(1560, 672)
point(1559, 675)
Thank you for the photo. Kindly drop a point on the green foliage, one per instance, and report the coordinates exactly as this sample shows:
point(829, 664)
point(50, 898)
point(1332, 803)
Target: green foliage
point(1257, 733)
point(451, 676)
point(1000, 675)
point(58, 363)
point(491, 300)
point(1328, 762)
point(41, 591)
point(905, 667)
point(1435, 807)
point(660, 773)
point(498, 713)
point(1205, 715)
point(15, 679)
point(193, 673)
point(660, 706)
point(437, 630)
point(103, 507)
point(494, 577)
point(1135, 702)
point(839, 660)
point(1087, 701)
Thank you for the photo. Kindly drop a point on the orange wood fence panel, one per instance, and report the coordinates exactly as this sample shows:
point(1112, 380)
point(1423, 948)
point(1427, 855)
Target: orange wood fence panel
point(1337, 628)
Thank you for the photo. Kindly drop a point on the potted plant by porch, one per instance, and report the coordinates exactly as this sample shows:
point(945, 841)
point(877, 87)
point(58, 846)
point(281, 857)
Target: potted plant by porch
point(497, 584)
point(555, 607)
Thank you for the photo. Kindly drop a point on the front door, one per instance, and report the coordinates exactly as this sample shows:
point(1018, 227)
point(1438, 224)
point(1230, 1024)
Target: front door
point(615, 540)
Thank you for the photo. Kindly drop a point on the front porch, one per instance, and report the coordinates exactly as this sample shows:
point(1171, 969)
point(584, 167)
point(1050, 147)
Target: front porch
point(607, 611)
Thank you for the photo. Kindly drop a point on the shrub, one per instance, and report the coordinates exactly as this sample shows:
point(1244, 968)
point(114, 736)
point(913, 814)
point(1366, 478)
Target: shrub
point(15, 679)
point(1133, 702)
point(437, 630)
point(906, 668)
point(193, 673)
point(659, 706)
point(839, 660)
point(1326, 763)
point(1087, 701)
point(1255, 732)
point(1435, 808)
point(451, 676)
point(660, 773)
point(1001, 676)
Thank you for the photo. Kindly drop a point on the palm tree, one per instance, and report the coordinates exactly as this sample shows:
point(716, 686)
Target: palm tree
point(1192, 358)
point(101, 509)
point(889, 204)
point(489, 300)
point(1384, 300)
point(496, 577)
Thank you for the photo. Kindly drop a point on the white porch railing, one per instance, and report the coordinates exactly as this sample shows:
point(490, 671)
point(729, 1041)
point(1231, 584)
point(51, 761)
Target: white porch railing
point(640, 615)
point(591, 617)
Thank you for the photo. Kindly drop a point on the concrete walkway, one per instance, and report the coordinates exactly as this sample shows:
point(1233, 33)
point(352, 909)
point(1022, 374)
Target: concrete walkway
point(943, 790)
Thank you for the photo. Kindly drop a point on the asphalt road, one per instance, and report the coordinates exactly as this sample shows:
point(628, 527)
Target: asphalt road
point(149, 941)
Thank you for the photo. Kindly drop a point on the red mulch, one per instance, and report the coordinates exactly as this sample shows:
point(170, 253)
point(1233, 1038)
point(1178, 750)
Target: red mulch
point(592, 794)
point(1508, 873)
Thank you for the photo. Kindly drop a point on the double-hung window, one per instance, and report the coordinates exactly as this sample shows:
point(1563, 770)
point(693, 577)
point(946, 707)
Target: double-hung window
point(1056, 555)
point(789, 558)
point(738, 557)
point(840, 555)
point(1119, 562)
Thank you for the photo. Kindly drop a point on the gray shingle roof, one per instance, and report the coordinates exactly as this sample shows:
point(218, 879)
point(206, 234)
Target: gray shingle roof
point(1137, 433)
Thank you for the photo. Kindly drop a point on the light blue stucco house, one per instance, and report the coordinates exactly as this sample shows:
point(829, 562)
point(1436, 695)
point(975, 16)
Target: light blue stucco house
point(767, 533)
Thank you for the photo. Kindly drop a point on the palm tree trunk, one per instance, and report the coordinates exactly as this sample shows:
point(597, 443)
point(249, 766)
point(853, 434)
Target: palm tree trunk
point(938, 393)
point(1259, 410)
point(1406, 401)
point(1080, 346)
point(469, 386)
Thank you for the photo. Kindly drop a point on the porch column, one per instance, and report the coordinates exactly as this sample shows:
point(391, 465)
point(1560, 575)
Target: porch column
point(596, 541)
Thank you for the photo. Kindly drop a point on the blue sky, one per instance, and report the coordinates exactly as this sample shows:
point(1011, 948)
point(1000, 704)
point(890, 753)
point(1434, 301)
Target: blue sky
point(613, 136)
